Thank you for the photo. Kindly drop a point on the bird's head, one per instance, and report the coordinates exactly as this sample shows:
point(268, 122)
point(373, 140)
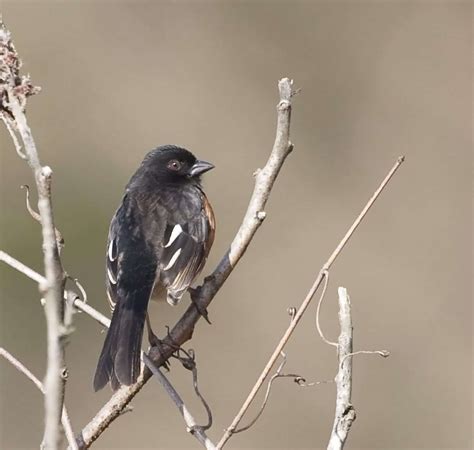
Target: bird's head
point(172, 164)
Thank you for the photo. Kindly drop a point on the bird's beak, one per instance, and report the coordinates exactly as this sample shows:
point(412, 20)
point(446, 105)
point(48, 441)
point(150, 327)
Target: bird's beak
point(199, 167)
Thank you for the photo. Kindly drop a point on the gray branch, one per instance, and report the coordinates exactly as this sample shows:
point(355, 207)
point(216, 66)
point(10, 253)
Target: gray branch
point(345, 412)
point(14, 90)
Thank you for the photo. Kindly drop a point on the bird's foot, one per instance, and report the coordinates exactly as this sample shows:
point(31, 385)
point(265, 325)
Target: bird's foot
point(157, 343)
point(194, 294)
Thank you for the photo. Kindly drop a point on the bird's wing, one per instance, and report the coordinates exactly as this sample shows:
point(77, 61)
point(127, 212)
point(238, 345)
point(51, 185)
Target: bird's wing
point(186, 245)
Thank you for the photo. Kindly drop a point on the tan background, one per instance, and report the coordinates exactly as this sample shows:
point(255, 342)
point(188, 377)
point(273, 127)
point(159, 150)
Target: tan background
point(379, 79)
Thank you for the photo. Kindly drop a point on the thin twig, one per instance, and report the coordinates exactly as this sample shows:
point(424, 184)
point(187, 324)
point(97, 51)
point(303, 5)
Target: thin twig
point(319, 279)
point(191, 424)
point(37, 217)
point(183, 330)
point(15, 140)
point(345, 412)
point(318, 310)
point(29, 208)
point(382, 353)
point(298, 379)
point(189, 362)
point(78, 303)
point(25, 371)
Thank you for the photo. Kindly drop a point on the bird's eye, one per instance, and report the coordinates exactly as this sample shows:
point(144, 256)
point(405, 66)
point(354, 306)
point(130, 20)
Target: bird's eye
point(174, 165)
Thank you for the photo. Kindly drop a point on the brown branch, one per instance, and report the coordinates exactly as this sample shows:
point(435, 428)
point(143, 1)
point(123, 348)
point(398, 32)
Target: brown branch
point(202, 296)
point(14, 90)
point(319, 279)
point(25, 371)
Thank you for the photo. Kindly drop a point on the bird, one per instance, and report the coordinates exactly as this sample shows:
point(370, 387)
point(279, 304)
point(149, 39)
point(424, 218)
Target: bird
point(158, 242)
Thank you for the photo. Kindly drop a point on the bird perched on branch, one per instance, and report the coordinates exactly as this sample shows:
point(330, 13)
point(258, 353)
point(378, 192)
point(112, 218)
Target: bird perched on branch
point(159, 240)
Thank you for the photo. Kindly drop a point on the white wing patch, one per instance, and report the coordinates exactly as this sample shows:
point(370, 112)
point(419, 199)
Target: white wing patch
point(173, 259)
point(177, 230)
point(111, 251)
point(111, 276)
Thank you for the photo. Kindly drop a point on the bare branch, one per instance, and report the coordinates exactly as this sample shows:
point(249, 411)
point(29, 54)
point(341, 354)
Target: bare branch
point(14, 90)
point(297, 317)
point(345, 412)
point(202, 296)
point(191, 424)
point(24, 370)
point(78, 303)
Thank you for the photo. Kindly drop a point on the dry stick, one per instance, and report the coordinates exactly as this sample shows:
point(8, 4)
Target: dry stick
point(64, 416)
point(319, 279)
point(183, 330)
point(345, 412)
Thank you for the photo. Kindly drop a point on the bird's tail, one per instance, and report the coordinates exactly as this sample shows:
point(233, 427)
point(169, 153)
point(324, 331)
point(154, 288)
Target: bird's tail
point(119, 361)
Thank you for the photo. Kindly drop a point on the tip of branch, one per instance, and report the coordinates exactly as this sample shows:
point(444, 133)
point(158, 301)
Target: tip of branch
point(401, 159)
point(285, 86)
point(46, 172)
point(342, 291)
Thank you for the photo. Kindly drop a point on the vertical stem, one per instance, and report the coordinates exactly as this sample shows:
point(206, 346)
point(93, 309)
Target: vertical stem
point(345, 413)
point(53, 287)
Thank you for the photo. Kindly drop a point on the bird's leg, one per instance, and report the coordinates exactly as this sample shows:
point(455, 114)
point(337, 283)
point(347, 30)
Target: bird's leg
point(193, 293)
point(155, 341)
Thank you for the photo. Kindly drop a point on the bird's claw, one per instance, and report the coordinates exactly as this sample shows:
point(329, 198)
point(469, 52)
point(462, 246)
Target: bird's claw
point(194, 292)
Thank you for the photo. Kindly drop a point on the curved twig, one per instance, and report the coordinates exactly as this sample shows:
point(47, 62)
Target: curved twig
point(298, 379)
point(59, 237)
point(382, 353)
point(318, 310)
point(191, 424)
point(189, 362)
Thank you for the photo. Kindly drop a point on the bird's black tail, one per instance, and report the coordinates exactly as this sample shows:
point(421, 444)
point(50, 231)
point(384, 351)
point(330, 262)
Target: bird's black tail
point(119, 360)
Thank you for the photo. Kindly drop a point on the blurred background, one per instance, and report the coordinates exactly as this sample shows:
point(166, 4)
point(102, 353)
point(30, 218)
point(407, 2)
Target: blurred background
point(378, 79)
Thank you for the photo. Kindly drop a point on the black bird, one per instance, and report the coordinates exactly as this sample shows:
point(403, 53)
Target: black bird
point(159, 240)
